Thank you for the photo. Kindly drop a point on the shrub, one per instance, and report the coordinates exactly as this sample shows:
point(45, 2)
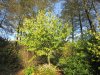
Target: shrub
point(74, 65)
point(29, 70)
point(73, 60)
point(47, 70)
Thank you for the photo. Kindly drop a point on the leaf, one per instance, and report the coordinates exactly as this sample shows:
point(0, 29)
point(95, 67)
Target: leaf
point(40, 52)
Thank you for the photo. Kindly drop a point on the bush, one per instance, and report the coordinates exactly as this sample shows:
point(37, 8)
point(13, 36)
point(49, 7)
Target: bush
point(47, 70)
point(29, 70)
point(74, 65)
point(74, 61)
point(41, 70)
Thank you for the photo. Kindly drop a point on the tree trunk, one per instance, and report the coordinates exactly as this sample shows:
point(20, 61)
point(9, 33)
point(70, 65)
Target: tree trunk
point(48, 58)
point(80, 21)
point(86, 8)
point(92, 28)
point(72, 29)
point(94, 6)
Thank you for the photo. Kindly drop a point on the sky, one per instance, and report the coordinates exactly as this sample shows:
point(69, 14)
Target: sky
point(56, 10)
point(58, 7)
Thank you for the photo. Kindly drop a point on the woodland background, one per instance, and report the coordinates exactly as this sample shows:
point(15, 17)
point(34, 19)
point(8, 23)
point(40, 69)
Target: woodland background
point(49, 37)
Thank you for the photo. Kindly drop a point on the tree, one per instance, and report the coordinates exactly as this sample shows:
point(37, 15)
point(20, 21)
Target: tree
point(80, 14)
point(93, 46)
point(14, 11)
point(44, 35)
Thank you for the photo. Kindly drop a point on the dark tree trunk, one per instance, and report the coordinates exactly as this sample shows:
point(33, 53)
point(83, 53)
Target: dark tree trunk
point(80, 21)
point(72, 29)
point(92, 28)
point(94, 6)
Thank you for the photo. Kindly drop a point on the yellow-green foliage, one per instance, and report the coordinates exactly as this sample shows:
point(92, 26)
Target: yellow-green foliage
point(94, 45)
point(42, 70)
point(47, 70)
point(44, 34)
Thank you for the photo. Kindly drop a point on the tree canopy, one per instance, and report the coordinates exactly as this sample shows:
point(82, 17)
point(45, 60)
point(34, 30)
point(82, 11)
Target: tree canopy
point(45, 34)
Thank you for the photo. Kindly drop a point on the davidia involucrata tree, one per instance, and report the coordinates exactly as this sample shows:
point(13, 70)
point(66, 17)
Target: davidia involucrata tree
point(44, 34)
